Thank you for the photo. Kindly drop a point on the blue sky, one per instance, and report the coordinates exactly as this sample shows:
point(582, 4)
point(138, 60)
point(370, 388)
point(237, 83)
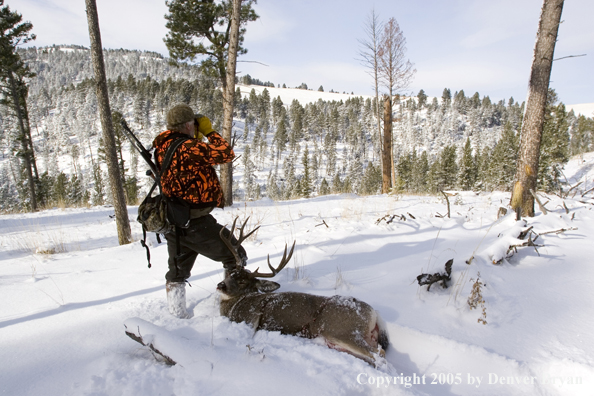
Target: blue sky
point(475, 45)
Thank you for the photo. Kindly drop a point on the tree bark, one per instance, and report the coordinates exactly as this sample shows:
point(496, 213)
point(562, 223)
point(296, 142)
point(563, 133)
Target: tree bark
point(532, 125)
point(387, 146)
point(228, 100)
point(115, 179)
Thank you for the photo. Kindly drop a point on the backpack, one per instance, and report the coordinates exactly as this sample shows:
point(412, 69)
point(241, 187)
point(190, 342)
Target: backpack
point(162, 214)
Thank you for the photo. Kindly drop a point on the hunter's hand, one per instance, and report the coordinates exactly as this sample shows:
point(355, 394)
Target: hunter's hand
point(203, 127)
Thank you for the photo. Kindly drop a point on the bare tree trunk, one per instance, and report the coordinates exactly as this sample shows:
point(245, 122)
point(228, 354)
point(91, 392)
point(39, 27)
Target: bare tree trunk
point(392, 166)
point(532, 125)
point(115, 179)
point(27, 150)
point(228, 99)
point(387, 152)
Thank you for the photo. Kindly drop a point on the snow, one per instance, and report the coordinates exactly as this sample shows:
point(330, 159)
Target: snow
point(585, 109)
point(303, 96)
point(69, 289)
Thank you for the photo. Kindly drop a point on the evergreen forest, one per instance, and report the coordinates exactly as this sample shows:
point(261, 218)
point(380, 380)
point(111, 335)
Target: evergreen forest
point(459, 141)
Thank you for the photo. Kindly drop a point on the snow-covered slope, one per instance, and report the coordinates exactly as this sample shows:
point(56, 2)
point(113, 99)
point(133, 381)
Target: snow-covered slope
point(68, 289)
point(585, 109)
point(303, 96)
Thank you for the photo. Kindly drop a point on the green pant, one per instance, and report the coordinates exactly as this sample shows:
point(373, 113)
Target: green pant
point(201, 237)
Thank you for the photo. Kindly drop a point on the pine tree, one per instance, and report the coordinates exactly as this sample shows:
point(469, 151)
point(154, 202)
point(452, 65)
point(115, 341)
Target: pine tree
point(281, 135)
point(372, 180)
point(272, 189)
point(76, 191)
point(337, 185)
point(554, 150)
point(502, 164)
point(324, 188)
point(421, 174)
point(98, 196)
point(482, 160)
point(447, 170)
point(446, 99)
point(467, 173)
point(306, 182)
point(60, 189)
point(194, 23)
point(248, 174)
point(13, 73)
point(582, 134)
point(422, 99)
point(403, 173)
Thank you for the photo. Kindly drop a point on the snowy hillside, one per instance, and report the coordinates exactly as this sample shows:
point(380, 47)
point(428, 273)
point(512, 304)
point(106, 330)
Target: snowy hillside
point(68, 289)
point(585, 109)
point(303, 96)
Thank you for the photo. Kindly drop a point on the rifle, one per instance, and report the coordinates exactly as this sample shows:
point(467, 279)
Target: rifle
point(138, 145)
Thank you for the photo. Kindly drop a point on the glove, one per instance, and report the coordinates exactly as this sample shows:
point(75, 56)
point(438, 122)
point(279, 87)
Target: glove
point(203, 126)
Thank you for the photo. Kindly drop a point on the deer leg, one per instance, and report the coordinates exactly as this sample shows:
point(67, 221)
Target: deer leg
point(255, 323)
point(352, 346)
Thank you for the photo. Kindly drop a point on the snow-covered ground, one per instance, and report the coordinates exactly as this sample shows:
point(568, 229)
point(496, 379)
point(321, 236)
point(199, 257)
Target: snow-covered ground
point(68, 288)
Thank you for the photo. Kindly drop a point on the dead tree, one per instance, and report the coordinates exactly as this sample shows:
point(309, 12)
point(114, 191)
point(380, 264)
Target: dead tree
point(395, 72)
point(370, 59)
point(527, 167)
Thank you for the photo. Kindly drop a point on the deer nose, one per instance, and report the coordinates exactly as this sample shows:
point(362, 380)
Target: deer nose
point(221, 286)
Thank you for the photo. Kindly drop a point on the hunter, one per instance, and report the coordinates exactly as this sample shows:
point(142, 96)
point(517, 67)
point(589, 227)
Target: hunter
point(191, 178)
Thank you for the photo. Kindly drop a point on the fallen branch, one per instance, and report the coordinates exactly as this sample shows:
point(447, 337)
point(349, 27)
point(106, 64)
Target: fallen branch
point(568, 191)
point(387, 218)
point(138, 338)
point(592, 189)
point(530, 242)
point(557, 231)
point(448, 202)
point(514, 248)
point(323, 223)
point(525, 232)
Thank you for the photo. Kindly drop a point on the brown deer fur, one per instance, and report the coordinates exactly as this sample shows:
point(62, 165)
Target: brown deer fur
point(345, 323)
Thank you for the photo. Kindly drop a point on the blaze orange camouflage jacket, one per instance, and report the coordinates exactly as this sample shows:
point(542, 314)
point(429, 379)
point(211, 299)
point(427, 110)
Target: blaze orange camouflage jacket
point(191, 175)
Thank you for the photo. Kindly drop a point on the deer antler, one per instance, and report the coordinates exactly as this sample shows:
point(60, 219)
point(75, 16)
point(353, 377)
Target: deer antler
point(276, 270)
point(227, 240)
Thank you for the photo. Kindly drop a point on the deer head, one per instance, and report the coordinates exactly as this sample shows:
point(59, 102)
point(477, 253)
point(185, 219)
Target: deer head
point(241, 281)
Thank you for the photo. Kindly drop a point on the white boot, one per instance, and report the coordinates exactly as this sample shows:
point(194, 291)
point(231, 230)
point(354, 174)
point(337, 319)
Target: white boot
point(176, 299)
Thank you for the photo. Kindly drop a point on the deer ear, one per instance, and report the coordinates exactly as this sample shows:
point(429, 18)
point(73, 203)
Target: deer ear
point(266, 286)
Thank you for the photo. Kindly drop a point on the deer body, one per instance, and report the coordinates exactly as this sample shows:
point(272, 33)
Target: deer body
point(345, 323)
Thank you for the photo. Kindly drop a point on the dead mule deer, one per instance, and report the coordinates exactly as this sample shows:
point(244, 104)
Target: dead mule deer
point(345, 323)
